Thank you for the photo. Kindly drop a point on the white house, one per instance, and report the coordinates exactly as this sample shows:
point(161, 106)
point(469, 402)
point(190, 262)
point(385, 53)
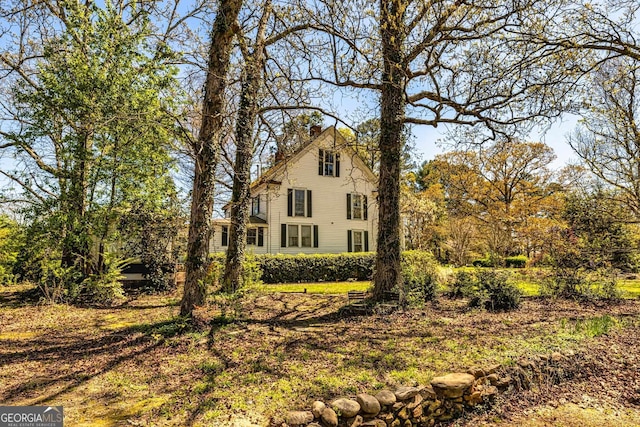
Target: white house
point(322, 199)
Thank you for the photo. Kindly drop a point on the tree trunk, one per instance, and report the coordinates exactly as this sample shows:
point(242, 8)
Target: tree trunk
point(241, 197)
point(392, 105)
point(76, 244)
point(206, 155)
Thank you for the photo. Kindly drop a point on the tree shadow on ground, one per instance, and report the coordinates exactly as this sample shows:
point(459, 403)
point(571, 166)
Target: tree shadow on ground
point(73, 360)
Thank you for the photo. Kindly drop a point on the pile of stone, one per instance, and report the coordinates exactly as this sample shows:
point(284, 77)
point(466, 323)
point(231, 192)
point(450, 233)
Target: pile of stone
point(447, 397)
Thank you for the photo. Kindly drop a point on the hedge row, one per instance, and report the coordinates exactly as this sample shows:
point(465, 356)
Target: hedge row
point(328, 267)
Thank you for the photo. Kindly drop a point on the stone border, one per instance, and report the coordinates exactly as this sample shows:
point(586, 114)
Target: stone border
point(446, 398)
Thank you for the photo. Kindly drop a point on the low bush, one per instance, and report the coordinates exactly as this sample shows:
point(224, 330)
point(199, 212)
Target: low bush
point(420, 274)
point(580, 284)
point(462, 285)
point(483, 262)
point(518, 261)
point(251, 271)
point(493, 292)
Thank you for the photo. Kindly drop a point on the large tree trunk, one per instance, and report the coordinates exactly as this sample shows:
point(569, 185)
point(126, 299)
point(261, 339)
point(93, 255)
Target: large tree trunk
point(240, 198)
point(206, 155)
point(392, 105)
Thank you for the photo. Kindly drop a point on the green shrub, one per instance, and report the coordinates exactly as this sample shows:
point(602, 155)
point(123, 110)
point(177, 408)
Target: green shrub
point(493, 292)
point(482, 262)
point(518, 261)
point(105, 288)
point(420, 275)
point(580, 284)
point(462, 285)
point(316, 268)
point(251, 271)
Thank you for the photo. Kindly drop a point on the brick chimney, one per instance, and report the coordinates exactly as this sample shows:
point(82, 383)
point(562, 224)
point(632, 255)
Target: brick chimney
point(315, 131)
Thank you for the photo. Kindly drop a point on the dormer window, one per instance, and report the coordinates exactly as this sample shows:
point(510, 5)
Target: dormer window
point(328, 163)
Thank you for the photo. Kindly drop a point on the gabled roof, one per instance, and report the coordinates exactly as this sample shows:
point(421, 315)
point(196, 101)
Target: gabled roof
point(274, 174)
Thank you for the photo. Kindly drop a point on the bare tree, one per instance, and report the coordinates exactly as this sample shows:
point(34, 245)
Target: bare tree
point(608, 137)
point(432, 63)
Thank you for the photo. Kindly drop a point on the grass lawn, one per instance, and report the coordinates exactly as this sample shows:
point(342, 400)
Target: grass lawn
point(140, 364)
point(528, 280)
point(319, 288)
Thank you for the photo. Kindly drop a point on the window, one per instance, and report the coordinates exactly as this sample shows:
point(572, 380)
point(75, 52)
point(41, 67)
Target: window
point(357, 241)
point(293, 236)
point(356, 206)
point(305, 232)
point(225, 235)
point(255, 206)
point(328, 163)
point(252, 236)
point(298, 236)
point(298, 202)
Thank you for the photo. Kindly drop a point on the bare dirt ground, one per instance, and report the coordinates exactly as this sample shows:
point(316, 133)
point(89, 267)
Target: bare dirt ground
point(139, 364)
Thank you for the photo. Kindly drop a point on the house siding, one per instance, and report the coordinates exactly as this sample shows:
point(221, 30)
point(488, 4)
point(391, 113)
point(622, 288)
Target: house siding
point(329, 203)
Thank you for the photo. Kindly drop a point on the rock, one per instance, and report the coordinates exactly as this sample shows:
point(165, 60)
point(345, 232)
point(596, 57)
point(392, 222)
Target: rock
point(474, 398)
point(329, 417)
point(314, 425)
point(417, 412)
point(355, 421)
point(493, 378)
point(368, 404)
point(452, 385)
point(374, 423)
point(404, 413)
point(407, 423)
point(396, 423)
point(428, 393)
point(556, 357)
point(504, 382)
point(386, 397)
point(317, 408)
point(397, 406)
point(433, 406)
point(347, 408)
point(404, 393)
point(417, 399)
point(298, 418)
point(490, 391)
point(491, 369)
point(387, 418)
point(476, 372)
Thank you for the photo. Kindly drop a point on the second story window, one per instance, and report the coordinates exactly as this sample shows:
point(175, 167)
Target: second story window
point(255, 206)
point(328, 163)
point(356, 206)
point(298, 202)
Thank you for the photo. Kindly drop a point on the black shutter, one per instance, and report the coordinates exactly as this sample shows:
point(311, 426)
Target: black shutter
point(283, 235)
point(337, 164)
point(309, 203)
point(289, 202)
point(260, 236)
point(366, 241)
point(225, 235)
point(315, 236)
point(365, 207)
point(349, 249)
point(348, 206)
point(320, 162)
